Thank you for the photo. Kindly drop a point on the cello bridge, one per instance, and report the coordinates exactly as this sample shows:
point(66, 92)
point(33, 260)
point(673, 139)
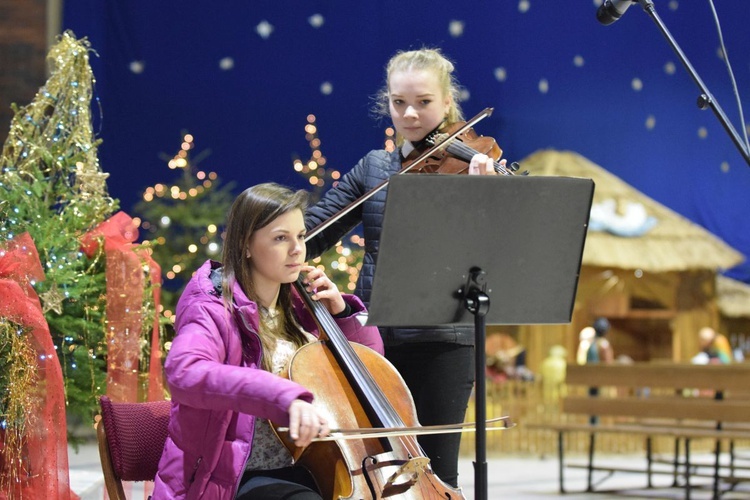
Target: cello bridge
point(408, 473)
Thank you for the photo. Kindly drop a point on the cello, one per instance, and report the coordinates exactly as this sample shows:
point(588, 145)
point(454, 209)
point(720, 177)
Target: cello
point(358, 388)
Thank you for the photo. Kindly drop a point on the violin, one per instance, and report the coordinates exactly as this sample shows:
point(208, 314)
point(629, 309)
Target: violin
point(358, 388)
point(450, 152)
point(455, 157)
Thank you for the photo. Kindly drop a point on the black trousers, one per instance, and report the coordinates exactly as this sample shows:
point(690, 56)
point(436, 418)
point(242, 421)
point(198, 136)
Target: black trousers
point(440, 377)
point(289, 483)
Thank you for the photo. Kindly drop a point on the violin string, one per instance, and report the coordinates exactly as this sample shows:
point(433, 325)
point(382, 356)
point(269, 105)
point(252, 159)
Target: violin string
point(459, 147)
point(465, 152)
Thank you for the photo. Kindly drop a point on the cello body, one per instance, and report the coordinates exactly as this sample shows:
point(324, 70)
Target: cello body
point(373, 468)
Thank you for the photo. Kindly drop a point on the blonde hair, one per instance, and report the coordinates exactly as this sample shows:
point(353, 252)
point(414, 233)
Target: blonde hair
point(428, 60)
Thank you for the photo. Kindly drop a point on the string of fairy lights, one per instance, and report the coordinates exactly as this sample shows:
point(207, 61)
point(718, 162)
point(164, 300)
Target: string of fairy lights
point(348, 259)
point(343, 262)
point(176, 192)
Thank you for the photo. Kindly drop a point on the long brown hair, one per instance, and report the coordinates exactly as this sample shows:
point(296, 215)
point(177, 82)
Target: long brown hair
point(255, 208)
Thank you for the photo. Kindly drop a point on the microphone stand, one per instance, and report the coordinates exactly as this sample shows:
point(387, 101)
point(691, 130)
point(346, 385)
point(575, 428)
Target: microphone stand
point(706, 99)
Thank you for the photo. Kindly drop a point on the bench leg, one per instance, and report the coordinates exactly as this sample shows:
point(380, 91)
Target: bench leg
point(717, 454)
point(649, 459)
point(592, 444)
point(687, 468)
point(676, 464)
point(560, 451)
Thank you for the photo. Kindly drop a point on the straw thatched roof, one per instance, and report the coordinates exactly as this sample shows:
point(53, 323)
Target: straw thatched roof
point(732, 297)
point(673, 243)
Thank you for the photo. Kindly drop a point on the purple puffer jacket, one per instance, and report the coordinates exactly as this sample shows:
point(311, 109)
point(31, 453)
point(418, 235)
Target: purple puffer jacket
point(216, 391)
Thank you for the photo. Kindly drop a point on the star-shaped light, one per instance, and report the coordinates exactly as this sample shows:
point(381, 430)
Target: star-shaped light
point(137, 67)
point(456, 28)
point(316, 20)
point(226, 63)
point(264, 29)
point(90, 181)
point(52, 300)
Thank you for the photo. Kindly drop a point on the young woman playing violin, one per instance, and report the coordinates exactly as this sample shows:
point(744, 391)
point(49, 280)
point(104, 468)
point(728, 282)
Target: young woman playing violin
point(238, 323)
point(437, 363)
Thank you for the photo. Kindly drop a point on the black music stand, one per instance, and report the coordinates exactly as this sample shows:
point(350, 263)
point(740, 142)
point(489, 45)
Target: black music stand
point(451, 244)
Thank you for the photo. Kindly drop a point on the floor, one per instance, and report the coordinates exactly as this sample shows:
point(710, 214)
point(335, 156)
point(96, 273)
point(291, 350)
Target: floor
point(524, 477)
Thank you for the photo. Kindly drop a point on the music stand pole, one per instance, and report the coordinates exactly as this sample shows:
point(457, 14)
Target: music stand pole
point(477, 302)
point(706, 99)
point(532, 255)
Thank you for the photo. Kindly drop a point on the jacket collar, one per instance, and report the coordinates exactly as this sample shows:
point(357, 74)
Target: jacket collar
point(247, 308)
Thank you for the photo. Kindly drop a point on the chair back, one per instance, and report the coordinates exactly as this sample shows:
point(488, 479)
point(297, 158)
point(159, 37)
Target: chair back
point(131, 438)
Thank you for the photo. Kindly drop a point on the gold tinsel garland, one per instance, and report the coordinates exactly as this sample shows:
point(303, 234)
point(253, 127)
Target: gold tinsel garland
point(55, 124)
point(17, 379)
point(52, 187)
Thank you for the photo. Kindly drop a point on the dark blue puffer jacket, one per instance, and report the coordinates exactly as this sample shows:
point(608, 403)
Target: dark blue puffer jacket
point(371, 171)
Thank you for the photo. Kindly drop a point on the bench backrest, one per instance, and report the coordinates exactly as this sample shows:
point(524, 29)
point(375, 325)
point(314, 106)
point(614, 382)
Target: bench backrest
point(661, 390)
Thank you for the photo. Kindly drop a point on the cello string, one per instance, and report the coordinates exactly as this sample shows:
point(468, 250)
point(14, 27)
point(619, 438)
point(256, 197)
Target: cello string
point(354, 365)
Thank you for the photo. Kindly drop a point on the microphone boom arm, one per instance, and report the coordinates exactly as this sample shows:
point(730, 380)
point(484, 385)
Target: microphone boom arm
point(706, 99)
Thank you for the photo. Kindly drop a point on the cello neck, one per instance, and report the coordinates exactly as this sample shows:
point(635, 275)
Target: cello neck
point(348, 360)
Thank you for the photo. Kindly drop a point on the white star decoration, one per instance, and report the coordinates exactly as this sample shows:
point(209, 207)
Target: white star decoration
point(226, 63)
point(456, 28)
point(137, 67)
point(316, 20)
point(264, 29)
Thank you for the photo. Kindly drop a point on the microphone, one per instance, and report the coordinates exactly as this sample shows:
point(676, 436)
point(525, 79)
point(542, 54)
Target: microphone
point(612, 10)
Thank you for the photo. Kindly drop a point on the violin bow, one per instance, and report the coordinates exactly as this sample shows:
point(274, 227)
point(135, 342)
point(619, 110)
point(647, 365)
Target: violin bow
point(445, 142)
point(374, 432)
point(434, 149)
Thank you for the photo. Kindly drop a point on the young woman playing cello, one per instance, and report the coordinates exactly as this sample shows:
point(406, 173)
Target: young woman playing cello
point(238, 322)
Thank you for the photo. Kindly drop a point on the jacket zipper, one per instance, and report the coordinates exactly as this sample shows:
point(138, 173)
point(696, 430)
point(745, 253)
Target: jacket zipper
point(257, 336)
point(195, 469)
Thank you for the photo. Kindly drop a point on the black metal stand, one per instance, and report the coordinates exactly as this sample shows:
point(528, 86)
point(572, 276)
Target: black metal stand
point(445, 236)
point(706, 99)
point(477, 302)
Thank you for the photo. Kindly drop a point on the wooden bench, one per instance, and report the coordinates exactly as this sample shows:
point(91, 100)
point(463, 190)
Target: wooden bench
point(681, 401)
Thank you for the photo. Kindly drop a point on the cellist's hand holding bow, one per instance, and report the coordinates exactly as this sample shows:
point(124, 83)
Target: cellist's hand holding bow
point(306, 423)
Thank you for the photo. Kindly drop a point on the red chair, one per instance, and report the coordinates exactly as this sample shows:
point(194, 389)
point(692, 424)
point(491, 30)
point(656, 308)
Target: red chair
point(131, 438)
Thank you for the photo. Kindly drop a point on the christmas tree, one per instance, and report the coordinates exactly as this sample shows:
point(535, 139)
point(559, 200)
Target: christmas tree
point(184, 221)
point(54, 189)
point(342, 262)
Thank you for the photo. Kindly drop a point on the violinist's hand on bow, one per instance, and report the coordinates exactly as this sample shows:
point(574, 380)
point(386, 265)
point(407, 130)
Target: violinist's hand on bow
point(482, 164)
point(323, 289)
point(305, 423)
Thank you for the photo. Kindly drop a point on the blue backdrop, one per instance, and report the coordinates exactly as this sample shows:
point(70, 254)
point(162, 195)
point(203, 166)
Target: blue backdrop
point(242, 76)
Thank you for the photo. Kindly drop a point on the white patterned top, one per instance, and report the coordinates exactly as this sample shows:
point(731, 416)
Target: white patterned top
point(268, 450)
